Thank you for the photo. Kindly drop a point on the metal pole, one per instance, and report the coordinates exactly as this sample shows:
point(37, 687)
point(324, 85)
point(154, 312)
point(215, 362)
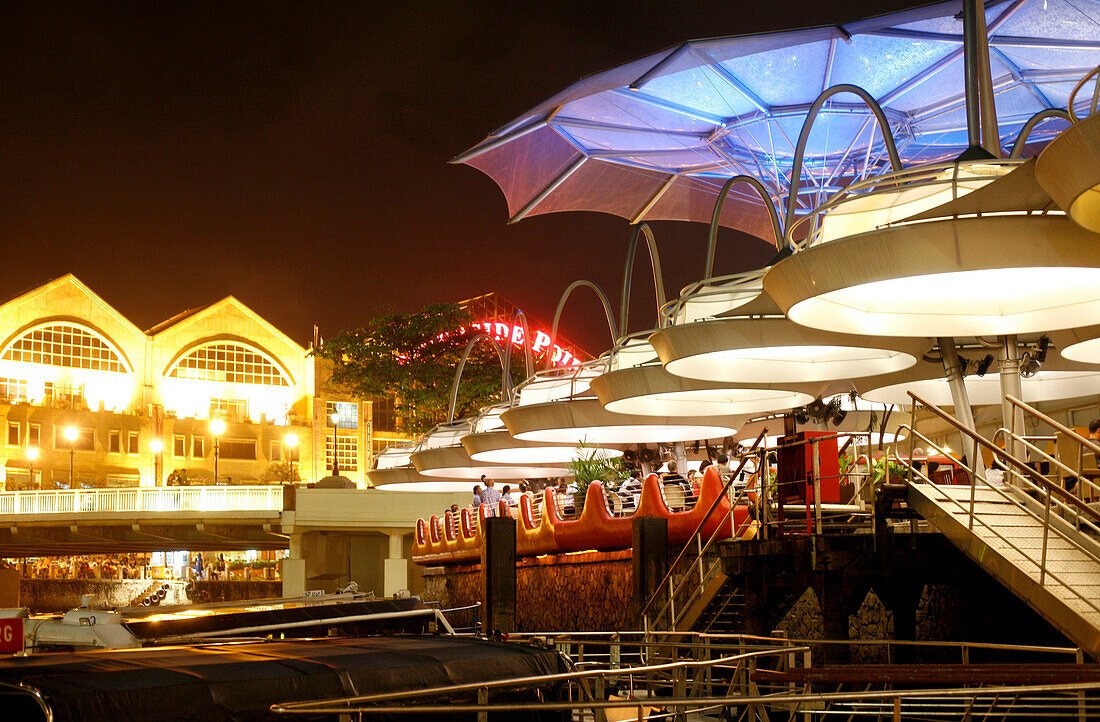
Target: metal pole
point(971, 8)
point(215, 459)
point(72, 455)
point(991, 140)
point(1011, 416)
point(960, 399)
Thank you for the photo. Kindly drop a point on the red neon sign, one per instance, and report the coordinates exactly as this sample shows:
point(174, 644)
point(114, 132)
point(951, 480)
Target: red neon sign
point(540, 345)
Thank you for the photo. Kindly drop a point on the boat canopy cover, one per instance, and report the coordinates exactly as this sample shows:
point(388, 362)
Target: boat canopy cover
point(240, 681)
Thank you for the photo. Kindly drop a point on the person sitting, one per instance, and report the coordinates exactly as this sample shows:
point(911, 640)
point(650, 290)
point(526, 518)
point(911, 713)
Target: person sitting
point(506, 495)
point(630, 487)
point(566, 505)
point(673, 477)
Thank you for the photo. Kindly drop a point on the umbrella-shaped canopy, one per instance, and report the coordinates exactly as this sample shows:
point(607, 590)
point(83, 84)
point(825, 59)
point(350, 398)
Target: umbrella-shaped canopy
point(656, 139)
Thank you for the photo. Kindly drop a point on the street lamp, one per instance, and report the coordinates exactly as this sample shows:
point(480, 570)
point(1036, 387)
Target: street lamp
point(156, 445)
point(71, 433)
point(32, 454)
point(217, 428)
point(335, 422)
point(291, 441)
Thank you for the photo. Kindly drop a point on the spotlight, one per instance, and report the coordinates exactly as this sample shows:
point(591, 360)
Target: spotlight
point(1028, 366)
point(984, 364)
point(1044, 344)
point(838, 417)
point(964, 364)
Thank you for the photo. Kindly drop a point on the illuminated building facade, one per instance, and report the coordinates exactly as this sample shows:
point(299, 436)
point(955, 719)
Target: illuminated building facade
point(90, 400)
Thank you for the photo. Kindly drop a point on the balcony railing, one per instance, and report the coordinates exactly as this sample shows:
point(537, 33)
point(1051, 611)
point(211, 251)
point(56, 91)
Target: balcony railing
point(137, 499)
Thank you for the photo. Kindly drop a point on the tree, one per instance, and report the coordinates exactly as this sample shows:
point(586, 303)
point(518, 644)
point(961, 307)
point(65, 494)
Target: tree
point(414, 356)
point(280, 472)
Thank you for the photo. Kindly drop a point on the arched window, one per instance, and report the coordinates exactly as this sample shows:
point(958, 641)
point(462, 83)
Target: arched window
point(230, 363)
point(66, 345)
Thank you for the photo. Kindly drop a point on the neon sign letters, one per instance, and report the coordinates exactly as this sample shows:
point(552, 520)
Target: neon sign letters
point(540, 346)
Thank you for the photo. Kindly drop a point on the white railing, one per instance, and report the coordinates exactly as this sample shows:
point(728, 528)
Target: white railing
point(138, 499)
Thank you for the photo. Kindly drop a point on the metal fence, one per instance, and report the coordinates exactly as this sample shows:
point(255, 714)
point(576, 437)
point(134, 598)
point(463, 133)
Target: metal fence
point(137, 499)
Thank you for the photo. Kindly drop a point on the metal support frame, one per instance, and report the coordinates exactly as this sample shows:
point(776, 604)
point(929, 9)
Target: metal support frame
point(505, 377)
point(807, 126)
point(960, 399)
point(712, 235)
point(610, 315)
point(641, 229)
point(1011, 416)
point(528, 358)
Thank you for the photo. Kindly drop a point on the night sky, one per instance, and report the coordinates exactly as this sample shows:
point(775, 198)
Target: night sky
point(295, 154)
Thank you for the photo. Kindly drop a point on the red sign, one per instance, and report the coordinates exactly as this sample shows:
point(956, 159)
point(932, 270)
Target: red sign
point(540, 345)
point(11, 635)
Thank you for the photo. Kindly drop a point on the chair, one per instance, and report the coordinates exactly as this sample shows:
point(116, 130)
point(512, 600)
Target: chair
point(674, 496)
point(616, 504)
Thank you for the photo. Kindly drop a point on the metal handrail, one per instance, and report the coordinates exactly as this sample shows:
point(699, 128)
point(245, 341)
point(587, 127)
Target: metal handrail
point(714, 286)
point(143, 499)
point(1073, 95)
point(1015, 502)
point(924, 175)
point(1043, 486)
point(657, 592)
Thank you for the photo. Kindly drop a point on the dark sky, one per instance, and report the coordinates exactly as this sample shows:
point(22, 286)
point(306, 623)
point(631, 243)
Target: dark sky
point(295, 154)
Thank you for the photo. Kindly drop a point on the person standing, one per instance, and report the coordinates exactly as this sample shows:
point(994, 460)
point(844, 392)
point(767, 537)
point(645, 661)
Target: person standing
point(490, 496)
point(478, 498)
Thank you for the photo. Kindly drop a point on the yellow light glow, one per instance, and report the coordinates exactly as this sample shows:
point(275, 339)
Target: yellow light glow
point(964, 303)
point(217, 427)
point(156, 445)
point(71, 433)
point(32, 453)
point(291, 440)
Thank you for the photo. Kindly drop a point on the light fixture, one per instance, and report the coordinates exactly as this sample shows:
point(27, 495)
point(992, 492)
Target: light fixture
point(439, 454)
point(773, 350)
point(32, 453)
point(291, 440)
point(71, 433)
point(1079, 344)
point(217, 427)
point(156, 446)
point(653, 391)
point(978, 265)
point(1043, 347)
point(1029, 365)
point(498, 447)
point(983, 366)
point(1044, 385)
point(1068, 168)
point(579, 421)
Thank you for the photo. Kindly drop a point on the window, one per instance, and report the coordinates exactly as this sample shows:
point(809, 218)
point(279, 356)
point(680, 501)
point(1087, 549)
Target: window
point(229, 362)
point(114, 443)
point(198, 446)
point(65, 345)
point(379, 445)
point(133, 443)
point(349, 414)
point(85, 439)
point(65, 392)
point(237, 449)
point(229, 409)
point(179, 445)
point(347, 452)
point(14, 390)
point(14, 429)
point(34, 435)
point(383, 413)
point(276, 451)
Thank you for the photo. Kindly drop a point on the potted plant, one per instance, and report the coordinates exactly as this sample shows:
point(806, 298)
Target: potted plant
point(592, 464)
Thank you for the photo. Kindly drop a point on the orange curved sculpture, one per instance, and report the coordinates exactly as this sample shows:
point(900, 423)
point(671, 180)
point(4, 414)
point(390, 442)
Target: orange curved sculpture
point(436, 542)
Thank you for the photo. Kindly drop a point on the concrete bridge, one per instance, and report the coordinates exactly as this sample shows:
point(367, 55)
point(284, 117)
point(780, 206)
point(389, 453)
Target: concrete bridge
point(334, 535)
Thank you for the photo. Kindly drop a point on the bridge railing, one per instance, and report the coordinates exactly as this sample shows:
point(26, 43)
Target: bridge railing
point(139, 499)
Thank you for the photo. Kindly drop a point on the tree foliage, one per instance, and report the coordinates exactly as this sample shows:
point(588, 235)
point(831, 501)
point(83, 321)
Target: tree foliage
point(414, 357)
point(280, 472)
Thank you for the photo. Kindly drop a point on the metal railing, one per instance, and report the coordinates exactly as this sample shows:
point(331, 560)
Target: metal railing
point(1026, 480)
point(1072, 101)
point(685, 567)
point(140, 499)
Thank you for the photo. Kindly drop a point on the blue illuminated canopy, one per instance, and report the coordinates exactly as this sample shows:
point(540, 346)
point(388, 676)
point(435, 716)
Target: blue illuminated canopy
point(656, 138)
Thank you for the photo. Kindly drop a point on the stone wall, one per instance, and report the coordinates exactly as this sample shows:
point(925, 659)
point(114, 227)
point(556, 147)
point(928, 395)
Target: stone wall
point(590, 591)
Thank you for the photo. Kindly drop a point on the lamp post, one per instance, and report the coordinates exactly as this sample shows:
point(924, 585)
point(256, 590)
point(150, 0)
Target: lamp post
point(71, 433)
point(32, 454)
point(157, 446)
point(335, 421)
point(217, 428)
point(291, 441)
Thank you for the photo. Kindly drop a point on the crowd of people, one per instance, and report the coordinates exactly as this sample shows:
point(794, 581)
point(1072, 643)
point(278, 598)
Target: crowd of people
point(680, 492)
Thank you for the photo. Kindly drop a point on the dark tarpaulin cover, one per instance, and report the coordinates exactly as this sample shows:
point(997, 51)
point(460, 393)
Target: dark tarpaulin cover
point(241, 681)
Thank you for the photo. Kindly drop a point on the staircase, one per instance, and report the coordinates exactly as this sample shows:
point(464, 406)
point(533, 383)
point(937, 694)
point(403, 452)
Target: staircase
point(725, 614)
point(1020, 533)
